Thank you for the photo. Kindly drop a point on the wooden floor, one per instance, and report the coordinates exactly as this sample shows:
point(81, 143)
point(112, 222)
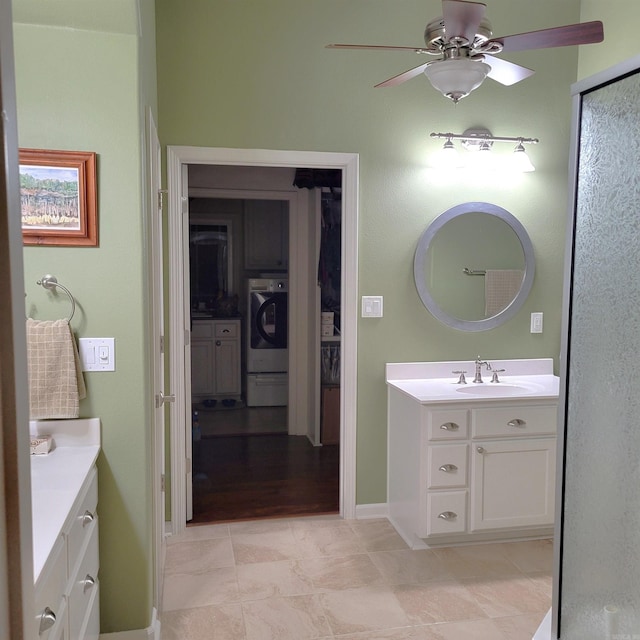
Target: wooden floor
point(262, 476)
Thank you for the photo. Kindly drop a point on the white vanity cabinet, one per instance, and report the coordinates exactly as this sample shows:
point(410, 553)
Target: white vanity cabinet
point(465, 468)
point(215, 358)
point(65, 533)
point(513, 467)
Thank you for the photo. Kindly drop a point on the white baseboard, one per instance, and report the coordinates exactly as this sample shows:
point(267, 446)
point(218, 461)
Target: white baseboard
point(369, 511)
point(152, 632)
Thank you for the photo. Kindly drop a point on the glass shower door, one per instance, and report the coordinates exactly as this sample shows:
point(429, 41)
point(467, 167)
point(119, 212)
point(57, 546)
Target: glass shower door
point(598, 582)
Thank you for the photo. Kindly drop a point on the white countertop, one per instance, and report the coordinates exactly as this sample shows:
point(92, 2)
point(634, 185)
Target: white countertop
point(434, 382)
point(56, 479)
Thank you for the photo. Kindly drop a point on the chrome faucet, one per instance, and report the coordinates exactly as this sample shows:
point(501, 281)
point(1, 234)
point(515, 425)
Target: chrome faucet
point(479, 364)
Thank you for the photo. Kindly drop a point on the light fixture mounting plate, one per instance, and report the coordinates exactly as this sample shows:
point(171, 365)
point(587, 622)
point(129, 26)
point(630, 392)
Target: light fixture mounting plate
point(475, 137)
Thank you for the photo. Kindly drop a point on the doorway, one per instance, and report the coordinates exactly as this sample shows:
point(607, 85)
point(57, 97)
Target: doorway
point(179, 159)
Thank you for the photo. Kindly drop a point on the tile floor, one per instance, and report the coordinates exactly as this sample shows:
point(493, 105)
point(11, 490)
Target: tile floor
point(323, 577)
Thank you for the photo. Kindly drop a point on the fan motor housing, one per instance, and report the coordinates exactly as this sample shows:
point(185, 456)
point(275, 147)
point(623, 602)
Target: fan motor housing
point(436, 39)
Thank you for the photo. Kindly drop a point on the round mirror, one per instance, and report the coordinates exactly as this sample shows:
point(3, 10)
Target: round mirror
point(474, 266)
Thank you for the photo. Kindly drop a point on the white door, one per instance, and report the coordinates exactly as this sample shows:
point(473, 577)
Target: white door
point(154, 208)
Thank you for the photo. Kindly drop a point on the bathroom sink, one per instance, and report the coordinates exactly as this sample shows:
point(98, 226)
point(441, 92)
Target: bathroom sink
point(499, 389)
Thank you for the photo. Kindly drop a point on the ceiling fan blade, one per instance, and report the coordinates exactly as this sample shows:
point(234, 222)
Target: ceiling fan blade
point(581, 33)
point(505, 72)
point(403, 77)
point(462, 18)
point(376, 47)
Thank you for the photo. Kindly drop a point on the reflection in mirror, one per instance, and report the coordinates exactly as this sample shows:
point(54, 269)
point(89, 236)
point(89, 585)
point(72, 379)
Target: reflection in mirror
point(474, 266)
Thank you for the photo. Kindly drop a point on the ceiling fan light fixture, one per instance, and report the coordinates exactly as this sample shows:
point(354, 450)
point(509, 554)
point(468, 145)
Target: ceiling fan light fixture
point(457, 78)
point(521, 160)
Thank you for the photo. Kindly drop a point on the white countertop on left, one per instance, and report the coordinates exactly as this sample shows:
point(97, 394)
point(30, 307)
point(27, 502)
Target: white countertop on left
point(56, 478)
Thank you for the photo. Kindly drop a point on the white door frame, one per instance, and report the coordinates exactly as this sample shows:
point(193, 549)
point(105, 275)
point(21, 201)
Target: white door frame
point(153, 214)
point(180, 412)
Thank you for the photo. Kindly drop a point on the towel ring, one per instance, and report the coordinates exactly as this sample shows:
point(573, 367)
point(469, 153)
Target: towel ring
point(51, 282)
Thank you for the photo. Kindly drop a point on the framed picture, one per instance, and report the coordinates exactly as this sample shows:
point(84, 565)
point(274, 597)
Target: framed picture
point(58, 200)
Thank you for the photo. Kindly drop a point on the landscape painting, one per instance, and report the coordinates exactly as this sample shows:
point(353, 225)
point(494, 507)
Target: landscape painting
point(58, 197)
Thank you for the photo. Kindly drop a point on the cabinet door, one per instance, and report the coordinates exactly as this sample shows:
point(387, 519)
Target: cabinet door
point(227, 367)
point(513, 483)
point(202, 367)
point(266, 234)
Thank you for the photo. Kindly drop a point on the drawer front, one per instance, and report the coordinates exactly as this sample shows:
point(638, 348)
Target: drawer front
point(446, 512)
point(202, 329)
point(514, 421)
point(83, 585)
point(91, 627)
point(226, 329)
point(81, 526)
point(448, 424)
point(447, 464)
point(49, 592)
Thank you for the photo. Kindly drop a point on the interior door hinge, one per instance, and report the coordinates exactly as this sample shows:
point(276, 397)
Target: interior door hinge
point(187, 337)
point(188, 466)
point(162, 485)
point(161, 344)
point(161, 193)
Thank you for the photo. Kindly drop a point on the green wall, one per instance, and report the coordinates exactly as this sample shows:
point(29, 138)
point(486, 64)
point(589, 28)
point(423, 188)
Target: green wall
point(620, 19)
point(85, 89)
point(256, 75)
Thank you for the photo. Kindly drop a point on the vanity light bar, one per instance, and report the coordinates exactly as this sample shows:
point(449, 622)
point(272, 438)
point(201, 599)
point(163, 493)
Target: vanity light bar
point(483, 137)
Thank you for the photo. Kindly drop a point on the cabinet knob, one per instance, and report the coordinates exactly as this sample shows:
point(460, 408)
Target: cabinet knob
point(448, 515)
point(87, 518)
point(88, 582)
point(218, 343)
point(517, 422)
point(449, 426)
point(448, 468)
point(47, 620)
point(480, 449)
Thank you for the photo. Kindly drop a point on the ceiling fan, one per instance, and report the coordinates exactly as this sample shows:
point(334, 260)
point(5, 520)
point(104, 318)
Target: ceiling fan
point(462, 40)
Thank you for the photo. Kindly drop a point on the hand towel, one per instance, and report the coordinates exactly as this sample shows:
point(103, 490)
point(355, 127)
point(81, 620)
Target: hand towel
point(56, 384)
point(500, 288)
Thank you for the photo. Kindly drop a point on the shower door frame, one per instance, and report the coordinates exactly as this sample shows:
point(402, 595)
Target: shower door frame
point(551, 626)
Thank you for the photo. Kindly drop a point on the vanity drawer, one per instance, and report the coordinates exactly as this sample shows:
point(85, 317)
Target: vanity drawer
point(446, 512)
point(448, 424)
point(84, 583)
point(49, 592)
point(447, 466)
point(82, 521)
point(202, 329)
point(514, 421)
point(226, 329)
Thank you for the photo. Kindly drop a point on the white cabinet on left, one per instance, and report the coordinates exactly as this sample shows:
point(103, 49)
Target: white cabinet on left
point(215, 358)
point(65, 531)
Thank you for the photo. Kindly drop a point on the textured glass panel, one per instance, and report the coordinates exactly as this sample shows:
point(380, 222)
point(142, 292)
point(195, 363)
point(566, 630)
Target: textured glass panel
point(601, 540)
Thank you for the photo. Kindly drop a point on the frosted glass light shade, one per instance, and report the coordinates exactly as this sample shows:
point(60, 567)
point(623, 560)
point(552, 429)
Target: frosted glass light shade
point(521, 160)
point(457, 78)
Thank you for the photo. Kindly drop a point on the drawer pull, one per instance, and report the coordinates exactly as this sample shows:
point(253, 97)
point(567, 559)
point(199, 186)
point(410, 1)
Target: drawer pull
point(47, 620)
point(89, 581)
point(449, 426)
point(448, 515)
point(517, 422)
point(480, 449)
point(87, 518)
point(448, 468)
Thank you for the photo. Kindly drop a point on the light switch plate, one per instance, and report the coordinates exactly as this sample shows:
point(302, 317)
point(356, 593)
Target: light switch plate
point(97, 354)
point(536, 322)
point(372, 306)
